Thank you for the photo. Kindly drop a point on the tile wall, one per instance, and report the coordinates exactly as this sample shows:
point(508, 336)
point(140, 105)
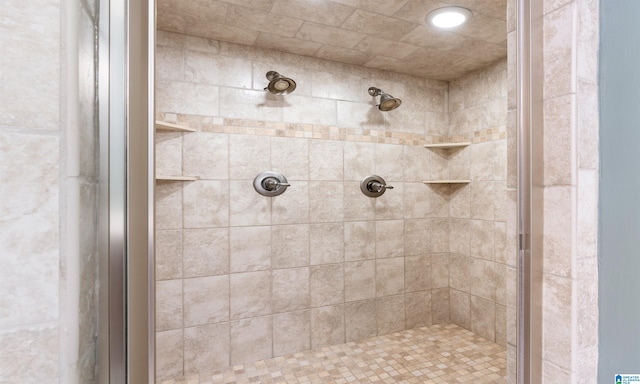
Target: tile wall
point(242, 277)
point(477, 211)
point(570, 191)
point(48, 194)
point(571, 168)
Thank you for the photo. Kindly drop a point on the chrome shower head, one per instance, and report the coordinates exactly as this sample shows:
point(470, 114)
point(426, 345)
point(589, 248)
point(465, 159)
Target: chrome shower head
point(387, 102)
point(278, 84)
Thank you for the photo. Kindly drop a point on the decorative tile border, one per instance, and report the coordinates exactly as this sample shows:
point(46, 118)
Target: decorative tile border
point(322, 132)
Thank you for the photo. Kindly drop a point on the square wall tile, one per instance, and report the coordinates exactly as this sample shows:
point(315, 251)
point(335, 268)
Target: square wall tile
point(390, 206)
point(390, 276)
point(169, 354)
point(440, 305)
point(460, 308)
point(483, 318)
point(389, 238)
point(188, 98)
point(439, 235)
point(290, 246)
point(459, 272)
point(249, 104)
point(243, 166)
point(168, 304)
point(359, 160)
point(168, 148)
point(440, 270)
point(208, 68)
point(359, 280)
point(290, 157)
point(326, 160)
point(168, 205)
point(247, 207)
point(459, 236)
point(290, 289)
point(482, 200)
point(482, 239)
point(481, 162)
point(327, 326)
point(250, 249)
point(292, 206)
point(251, 340)
point(459, 201)
point(205, 155)
point(291, 332)
point(358, 206)
point(390, 162)
point(360, 320)
point(326, 243)
point(417, 273)
point(359, 240)
point(250, 294)
point(417, 204)
point(206, 300)
point(418, 309)
point(309, 110)
point(206, 346)
point(328, 206)
point(168, 254)
point(483, 279)
point(417, 236)
point(205, 252)
point(206, 204)
point(326, 284)
point(390, 314)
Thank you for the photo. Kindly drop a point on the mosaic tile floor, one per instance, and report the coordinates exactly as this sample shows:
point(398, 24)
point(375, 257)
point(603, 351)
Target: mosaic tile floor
point(438, 354)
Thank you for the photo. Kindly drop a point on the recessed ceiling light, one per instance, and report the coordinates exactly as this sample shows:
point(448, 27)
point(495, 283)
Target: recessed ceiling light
point(448, 17)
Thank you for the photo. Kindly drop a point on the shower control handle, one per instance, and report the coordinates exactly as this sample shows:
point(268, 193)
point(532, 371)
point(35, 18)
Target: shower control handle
point(374, 186)
point(270, 184)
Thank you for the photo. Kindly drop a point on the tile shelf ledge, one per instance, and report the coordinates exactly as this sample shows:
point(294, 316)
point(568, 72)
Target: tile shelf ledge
point(177, 178)
point(447, 145)
point(446, 181)
point(164, 126)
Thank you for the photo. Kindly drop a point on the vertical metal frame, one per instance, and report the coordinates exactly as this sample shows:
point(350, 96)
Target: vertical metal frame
point(126, 265)
point(530, 189)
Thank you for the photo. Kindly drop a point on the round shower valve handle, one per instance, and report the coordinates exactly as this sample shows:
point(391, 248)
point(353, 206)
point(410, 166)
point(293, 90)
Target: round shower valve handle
point(270, 184)
point(374, 186)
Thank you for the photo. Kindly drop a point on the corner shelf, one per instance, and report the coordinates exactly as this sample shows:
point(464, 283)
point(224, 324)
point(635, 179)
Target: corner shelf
point(447, 145)
point(446, 181)
point(177, 178)
point(164, 126)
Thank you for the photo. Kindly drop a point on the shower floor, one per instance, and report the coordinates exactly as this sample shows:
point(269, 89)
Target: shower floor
point(442, 353)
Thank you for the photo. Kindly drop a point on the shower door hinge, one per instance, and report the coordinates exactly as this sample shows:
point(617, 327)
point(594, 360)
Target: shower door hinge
point(521, 242)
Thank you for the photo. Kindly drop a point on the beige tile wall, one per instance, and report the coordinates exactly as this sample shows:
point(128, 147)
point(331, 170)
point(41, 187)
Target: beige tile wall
point(48, 197)
point(477, 211)
point(570, 287)
point(338, 265)
point(243, 277)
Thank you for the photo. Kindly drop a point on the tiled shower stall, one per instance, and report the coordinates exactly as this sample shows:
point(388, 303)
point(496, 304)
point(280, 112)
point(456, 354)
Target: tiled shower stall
point(243, 277)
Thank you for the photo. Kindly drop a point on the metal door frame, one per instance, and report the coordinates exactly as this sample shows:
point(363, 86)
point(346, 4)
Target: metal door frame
point(126, 341)
point(530, 152)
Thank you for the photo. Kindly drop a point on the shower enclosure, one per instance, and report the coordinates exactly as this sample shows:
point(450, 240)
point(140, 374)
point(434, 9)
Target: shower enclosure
point(244, 277)
point(241, 276)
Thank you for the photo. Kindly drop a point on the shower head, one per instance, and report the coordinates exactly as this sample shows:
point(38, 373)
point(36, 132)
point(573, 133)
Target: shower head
point(278, 84)
point(387, 102)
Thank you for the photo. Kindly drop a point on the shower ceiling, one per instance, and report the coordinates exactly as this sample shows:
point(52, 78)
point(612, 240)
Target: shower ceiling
point(390, 34)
